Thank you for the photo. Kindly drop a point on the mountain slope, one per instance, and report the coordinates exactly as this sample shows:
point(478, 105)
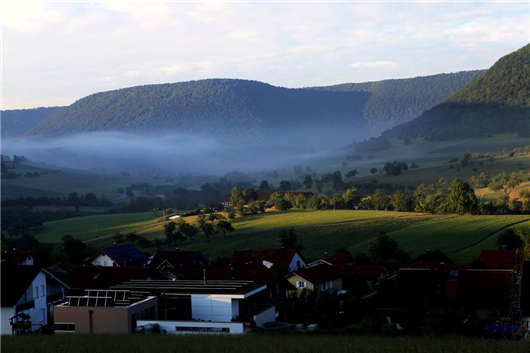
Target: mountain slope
point(17, 122)
point(215, 105)
point(495, 102)
point(400, 100)
point(248, 107)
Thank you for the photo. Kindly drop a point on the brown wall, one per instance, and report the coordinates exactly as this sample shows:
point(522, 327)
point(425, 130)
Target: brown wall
point(105, 319)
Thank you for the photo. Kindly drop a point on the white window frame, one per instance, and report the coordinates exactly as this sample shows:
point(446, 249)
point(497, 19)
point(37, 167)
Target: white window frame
point(301, 284)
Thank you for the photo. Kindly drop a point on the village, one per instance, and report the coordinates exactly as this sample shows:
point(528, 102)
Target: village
point(124, 290)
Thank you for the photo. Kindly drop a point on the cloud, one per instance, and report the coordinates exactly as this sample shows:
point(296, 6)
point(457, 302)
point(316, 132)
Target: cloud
point(380, 64)
point(62, 50)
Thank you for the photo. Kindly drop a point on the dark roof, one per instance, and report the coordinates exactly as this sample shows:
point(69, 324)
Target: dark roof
point(319, 273)
point(191, 286)
point(98, 277)
point(178, 259)
point(125, 254)
point(280, 257)
point(496, 259)
point(341, 258)
point(15, 281)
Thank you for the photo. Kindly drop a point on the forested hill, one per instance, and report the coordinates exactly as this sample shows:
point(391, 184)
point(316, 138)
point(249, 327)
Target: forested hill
point(495, 102)
point(220, 105)
point(17, 122)
point(243, 107)
point(396, 101)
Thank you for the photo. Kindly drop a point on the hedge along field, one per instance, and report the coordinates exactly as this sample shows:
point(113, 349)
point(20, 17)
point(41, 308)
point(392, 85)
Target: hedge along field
point(453, 235)
point(89, 227)
point(255, 343)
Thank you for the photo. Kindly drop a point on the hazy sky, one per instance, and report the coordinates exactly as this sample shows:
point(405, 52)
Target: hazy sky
point(57, 52)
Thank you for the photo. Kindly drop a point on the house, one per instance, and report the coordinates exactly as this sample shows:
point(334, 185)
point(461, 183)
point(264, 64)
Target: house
point(317, 278)
point(125, 255)
point(20, 258)
point(208, 306)
point(104, 311)
point(280, 258)
point(178, 262)
point(28, 294)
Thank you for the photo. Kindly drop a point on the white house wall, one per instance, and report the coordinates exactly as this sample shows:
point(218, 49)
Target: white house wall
point(103, 260)
point(211, 307)
point(39, 313)
point(6, 314)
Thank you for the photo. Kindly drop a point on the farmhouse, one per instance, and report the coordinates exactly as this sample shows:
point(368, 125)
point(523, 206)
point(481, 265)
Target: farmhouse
point(317, 278)
point(119, 256)
point(28, 294)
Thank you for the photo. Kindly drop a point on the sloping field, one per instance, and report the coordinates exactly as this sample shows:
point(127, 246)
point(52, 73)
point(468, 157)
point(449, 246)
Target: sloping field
point(89, 227)
point(459, 237)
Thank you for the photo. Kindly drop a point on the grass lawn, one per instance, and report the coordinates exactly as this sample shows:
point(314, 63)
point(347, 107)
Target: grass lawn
point(459, 237)
point(89, 227)
point(255, 343)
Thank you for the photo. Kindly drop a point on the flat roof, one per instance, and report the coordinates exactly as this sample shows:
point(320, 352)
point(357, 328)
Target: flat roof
point(220, 287)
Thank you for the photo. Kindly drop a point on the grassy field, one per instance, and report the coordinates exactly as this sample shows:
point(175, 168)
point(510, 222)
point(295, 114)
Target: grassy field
point(89, 227)
point(255, 343)
point(460, 237)
point(327, 231)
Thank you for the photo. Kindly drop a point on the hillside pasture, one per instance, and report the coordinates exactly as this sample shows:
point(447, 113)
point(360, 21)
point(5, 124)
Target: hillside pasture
point(90, 227)
point(460, 237)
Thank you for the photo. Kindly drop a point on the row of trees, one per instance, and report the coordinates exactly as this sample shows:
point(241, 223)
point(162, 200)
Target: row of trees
point(208, 225)
point(441, 197)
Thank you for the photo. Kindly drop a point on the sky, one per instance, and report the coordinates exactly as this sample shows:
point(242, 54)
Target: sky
point(54, 53)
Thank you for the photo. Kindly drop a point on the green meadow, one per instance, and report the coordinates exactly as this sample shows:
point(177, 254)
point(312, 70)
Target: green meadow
point(256, 343)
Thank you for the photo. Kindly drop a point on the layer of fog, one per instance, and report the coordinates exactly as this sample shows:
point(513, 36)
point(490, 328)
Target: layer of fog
point(180, 154)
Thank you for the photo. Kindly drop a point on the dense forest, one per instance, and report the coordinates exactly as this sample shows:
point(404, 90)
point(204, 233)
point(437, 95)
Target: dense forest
point(230, 106)
point(495, 102)
point(393, 102)
point(249, 107)
point(17, 122)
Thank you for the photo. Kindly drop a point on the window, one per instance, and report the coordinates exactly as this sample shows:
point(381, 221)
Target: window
point(36, 292)
point(42, 291)
point(300, 284)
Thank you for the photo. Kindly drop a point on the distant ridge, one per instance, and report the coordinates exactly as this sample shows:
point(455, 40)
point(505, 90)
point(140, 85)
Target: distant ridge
point(17, 122)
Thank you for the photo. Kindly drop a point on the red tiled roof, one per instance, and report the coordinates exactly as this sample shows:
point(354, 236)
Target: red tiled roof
point(368, 271)
point(486, 284)
point(495, 259)
point(15, 258)
point(341, 258)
